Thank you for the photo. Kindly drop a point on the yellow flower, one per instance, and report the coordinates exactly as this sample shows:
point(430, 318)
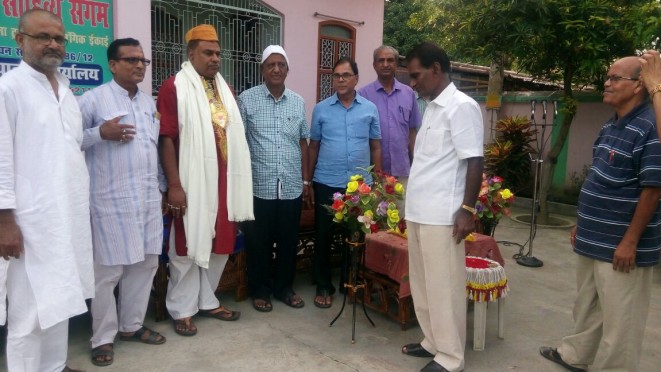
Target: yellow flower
point(393, 215)
point(506, 194)
point(339, 216)
point(369, 214)
point(399, 188)
point(352, 186)
point(356, 177)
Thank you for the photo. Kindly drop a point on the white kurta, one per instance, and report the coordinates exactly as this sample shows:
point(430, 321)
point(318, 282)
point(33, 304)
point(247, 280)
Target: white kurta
point(44, 178)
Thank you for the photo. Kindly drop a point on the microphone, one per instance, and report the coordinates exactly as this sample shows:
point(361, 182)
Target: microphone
point(544, 110)
point(533, 103)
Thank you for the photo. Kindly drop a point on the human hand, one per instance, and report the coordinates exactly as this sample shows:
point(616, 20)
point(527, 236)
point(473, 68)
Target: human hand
point(11, 238)
point(624, 258)
point(572, 237)
point(650, 73)
point(464, 224)
point(111, 130)
point(177, 201)
point(308, 196)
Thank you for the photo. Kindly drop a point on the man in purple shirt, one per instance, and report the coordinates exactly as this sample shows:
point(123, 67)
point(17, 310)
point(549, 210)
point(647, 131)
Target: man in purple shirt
point(398, 113)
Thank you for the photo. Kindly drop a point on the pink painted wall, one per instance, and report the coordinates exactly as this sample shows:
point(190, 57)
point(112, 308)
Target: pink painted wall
point(300, 38)
point(132, 18)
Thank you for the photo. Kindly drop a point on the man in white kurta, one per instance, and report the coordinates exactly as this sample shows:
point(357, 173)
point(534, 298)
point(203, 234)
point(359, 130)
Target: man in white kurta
point(440, 205)
point(44, 197)
point(121, 149)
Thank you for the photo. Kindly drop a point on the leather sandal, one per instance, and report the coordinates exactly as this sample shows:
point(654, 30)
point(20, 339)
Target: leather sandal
point(416, 350)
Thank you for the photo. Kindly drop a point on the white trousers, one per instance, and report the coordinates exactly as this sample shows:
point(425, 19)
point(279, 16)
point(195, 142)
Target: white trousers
point(128, 314)
point(192, 288)
point(610, 313)
point(30, 348)
point(437, 273)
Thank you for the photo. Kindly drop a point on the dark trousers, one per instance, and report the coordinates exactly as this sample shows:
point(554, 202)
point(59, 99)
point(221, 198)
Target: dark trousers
point(276, 221)
point(323, 224)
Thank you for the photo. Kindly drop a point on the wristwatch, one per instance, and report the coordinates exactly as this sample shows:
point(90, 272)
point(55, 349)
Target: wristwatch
point(470, 209)
point(307, 183)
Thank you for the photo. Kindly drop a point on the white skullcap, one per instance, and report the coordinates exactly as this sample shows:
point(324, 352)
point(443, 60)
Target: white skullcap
point(277, 49)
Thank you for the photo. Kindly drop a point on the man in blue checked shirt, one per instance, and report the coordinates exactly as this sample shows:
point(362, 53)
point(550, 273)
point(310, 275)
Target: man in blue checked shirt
point(277, 133)
point(617, 238)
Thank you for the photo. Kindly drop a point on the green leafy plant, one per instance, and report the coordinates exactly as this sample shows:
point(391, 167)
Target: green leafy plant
point(508, 156)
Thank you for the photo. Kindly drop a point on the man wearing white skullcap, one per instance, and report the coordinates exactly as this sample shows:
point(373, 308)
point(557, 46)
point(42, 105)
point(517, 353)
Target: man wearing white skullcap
point(277, 134)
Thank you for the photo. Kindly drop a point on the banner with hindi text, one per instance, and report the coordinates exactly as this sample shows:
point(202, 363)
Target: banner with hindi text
point(88, 28)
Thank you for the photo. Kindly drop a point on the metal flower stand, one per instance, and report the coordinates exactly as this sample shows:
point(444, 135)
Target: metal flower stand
point(356, 259)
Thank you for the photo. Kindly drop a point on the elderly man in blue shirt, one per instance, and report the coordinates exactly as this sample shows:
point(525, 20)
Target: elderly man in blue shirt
point(345, 139)
point(277, 133)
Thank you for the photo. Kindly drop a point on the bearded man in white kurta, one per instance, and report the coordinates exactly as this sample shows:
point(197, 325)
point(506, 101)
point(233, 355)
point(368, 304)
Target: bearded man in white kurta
point(44, 200)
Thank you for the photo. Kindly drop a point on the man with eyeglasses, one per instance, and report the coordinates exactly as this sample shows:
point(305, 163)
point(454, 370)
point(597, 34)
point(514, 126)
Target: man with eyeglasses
point(345, 139)
point(206, 161)
point(617, 237)
point(45, 228)
point(277, 133)
point(399, 116)
point(121, 148)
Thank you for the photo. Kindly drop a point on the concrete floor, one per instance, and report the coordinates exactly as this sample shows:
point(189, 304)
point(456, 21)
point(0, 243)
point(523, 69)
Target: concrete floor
point(538, 312)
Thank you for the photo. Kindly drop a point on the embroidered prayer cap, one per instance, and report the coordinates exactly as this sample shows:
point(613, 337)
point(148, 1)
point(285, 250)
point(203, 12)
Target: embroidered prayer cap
point(277, 49)
point(202, 32)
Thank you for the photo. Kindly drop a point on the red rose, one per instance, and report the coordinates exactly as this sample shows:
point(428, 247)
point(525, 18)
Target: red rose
point(338, 205)
point(390, 189)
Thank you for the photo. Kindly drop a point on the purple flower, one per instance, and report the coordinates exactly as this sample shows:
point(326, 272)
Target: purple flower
point(338, 196)
point(355, 199)
point(479, 207)
point(382, 209)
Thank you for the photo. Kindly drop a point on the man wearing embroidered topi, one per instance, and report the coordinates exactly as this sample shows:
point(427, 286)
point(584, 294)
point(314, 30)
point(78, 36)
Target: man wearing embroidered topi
point(617, 238)
point(121, 149)
point(206, 162)
point(44, 200)
point(277, 134)
point(445, 179)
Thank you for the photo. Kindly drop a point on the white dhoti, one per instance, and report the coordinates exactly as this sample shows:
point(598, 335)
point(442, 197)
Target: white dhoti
point(135, 283)
point(191, 287)
point(30, 348)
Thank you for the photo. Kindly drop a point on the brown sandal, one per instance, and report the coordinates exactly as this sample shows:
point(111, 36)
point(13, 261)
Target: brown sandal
point(185, 327)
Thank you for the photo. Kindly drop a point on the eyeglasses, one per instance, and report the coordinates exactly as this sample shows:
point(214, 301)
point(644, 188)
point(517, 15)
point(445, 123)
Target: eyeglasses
point(45, 39)
point(344, 76)
point(134, 60)
point(615, 78)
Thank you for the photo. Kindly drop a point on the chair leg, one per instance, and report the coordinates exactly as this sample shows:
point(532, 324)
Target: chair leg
point(479, 325)
point(501, 318)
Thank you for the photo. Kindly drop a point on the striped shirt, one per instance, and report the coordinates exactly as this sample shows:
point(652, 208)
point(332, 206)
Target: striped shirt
point(125, 200)
point(274, 129)
point(626, 158)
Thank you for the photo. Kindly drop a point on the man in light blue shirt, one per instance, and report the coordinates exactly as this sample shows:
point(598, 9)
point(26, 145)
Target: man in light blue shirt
point(120, 143)
point(277, 133)
point(344, 140)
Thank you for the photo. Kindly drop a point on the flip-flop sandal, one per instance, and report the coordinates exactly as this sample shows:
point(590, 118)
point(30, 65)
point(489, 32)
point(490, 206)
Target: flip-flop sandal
point(154, 337)
point(222, 314)
point(266, 308)
point(183, 329)
point(99, 352)
point(289, 298)
point(325, 294)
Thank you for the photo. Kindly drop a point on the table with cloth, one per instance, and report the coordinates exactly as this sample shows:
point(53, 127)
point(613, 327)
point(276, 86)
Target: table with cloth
point(386, 272)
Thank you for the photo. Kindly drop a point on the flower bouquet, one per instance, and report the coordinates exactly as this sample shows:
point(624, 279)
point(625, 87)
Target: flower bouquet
point(365, 209)
point(492, 203)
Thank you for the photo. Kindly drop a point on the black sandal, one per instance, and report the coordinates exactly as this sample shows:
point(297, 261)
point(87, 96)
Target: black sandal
point(267, 307)
point(289, 300)
point(100, 352)
point(326, 295)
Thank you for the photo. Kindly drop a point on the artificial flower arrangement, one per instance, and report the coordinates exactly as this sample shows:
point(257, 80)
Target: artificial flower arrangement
point(493, 201)
point(367, 209)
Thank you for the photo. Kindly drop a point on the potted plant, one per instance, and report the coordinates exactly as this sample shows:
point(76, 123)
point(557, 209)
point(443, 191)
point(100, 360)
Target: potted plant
point(509, 154)
point(365, 208)
point(493, 203)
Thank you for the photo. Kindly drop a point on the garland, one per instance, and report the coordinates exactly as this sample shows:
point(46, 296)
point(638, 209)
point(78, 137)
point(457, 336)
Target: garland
point(485, 279)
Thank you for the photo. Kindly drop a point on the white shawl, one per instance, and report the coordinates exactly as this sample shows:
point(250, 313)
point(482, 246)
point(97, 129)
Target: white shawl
point(198, 162)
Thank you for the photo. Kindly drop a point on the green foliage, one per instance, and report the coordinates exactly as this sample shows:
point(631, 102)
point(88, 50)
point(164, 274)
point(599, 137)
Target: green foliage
point(508, 156)
point(396, 30)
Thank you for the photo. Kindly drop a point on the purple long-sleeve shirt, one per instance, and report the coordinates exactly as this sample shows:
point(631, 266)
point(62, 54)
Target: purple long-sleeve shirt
point(398, 114)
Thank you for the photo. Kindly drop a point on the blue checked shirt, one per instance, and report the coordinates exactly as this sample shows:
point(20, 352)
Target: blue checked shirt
point(274, 129)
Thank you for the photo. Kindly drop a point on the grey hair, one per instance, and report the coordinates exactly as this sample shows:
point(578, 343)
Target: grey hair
point(386, 47)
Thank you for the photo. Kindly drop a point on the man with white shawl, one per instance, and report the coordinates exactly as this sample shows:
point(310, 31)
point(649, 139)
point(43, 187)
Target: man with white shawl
point(206, 161)
point(44, 200)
